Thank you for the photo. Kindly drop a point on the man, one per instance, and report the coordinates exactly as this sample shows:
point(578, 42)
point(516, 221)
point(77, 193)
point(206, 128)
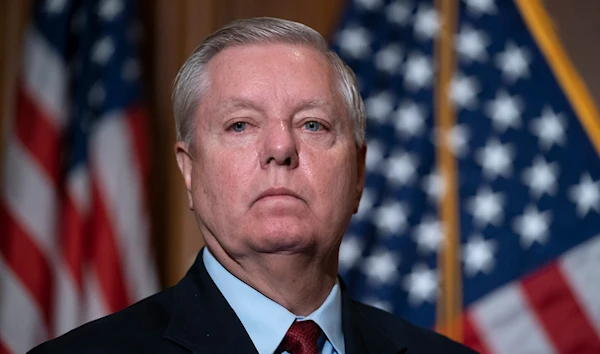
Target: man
point(271, 147)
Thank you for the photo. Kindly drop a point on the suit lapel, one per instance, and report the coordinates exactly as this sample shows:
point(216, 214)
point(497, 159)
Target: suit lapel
point(362, 336)
point(202, 321)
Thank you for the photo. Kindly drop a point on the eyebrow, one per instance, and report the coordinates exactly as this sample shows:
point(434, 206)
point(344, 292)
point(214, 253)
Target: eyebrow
point(237, 103)
point(240, 103)
point(310, 104)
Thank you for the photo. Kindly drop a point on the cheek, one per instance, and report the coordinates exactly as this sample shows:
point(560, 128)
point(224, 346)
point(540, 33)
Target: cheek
point(334, 178)
point(223, 177)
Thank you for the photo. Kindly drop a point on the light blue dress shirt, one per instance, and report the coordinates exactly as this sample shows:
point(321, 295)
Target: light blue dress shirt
point(266, 321)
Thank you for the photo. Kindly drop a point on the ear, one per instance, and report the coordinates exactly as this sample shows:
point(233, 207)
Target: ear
point(361, 158)
point(185, 163)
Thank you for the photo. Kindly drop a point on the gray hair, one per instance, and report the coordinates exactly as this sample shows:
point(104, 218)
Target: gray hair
point(192, 78)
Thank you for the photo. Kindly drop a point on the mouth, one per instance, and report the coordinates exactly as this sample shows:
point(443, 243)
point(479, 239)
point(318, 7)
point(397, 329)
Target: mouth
point(275, 193)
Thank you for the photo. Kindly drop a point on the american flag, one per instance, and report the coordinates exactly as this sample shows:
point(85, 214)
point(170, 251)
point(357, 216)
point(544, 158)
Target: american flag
point(74, 232)
point(524, 149)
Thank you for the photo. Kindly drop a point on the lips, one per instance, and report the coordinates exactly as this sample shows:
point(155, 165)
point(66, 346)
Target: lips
point(277, 192)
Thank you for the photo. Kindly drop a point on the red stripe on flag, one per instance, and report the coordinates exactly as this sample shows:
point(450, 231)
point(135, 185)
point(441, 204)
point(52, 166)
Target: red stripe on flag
point(472, 338)
point(559, 312)
point(138, 128)
point(105, 255)
point(72, 241)
point(28, 262)
point(35, 131)
point(3, 349)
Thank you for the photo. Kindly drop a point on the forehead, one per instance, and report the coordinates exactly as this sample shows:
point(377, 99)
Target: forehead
point(272, 69)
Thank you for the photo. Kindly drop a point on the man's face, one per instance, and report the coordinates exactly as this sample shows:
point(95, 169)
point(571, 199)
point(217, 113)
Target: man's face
point(273, 167)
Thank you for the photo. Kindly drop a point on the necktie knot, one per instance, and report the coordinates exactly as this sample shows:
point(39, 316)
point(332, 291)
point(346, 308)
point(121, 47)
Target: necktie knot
point(302, 338)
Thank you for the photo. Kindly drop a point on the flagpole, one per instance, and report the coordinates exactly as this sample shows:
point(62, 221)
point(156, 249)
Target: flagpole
point(540, 25)
point(450, 296)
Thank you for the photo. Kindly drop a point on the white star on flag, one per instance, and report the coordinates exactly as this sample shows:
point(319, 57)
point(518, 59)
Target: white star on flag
point(459, 136)
point(532, 226)
point(541, 177)
point(399, 12)
point(487, 207)
point(388, 59)
point(381, 267)
point(350, 252)
point(428, 235)
point(427, 23)
point(514, 62)
point(409, 119)
point(109, 9)
point(366, 203)
point(505, 111)
point(421, 285)
point(401, 167)
point(471, 44)
point(355, 41)
point(374, 154)
point(55, 6)
point(103, 50)
point(379, 106)
point(478, 255)
point(433, 186)
point(586, 195)
point(464, 91)
point(496, 159)
point(549, 128)
point(480, 7)
point(369, 4)
point(391, 217)
point(418, 71)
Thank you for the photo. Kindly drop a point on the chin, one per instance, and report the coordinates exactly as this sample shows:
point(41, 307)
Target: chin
point(282, 241)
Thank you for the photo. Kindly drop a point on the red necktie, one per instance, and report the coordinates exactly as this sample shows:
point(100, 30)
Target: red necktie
point(301, 338)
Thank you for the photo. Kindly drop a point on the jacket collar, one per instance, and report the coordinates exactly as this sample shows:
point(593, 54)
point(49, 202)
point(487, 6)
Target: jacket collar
point(366, 336)
point(203, 322)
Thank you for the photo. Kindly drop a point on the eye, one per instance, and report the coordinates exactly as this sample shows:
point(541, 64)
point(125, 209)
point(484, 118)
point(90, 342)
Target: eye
point(312, 126)
point(239, 127)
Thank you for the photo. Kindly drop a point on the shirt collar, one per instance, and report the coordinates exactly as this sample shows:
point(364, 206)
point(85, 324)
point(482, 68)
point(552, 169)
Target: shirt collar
point(265, 320)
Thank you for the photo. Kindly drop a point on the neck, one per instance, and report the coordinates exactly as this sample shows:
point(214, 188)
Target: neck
point(298, 282)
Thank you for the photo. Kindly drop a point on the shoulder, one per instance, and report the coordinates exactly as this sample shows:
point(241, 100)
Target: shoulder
point(138, 328)
point(404, 333)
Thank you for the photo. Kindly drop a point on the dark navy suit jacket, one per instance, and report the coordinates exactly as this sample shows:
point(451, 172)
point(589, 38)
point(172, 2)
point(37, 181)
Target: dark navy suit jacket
point(194, 317)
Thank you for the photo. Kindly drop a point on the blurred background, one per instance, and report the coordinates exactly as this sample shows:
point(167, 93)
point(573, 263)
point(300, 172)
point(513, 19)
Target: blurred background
point(93, 210)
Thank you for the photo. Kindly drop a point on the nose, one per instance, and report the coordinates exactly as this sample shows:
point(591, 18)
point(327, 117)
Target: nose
point(279, 147)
